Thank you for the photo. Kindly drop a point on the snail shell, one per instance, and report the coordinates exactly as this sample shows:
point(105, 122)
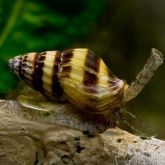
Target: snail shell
point(78, 73)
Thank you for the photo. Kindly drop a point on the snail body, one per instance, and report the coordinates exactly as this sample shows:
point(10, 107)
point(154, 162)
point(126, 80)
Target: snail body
point(79, 74)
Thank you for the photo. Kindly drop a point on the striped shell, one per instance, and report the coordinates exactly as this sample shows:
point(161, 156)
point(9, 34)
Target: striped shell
point(78, 74)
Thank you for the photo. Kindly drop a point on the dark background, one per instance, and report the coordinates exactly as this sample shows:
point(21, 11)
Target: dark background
point(121, 32)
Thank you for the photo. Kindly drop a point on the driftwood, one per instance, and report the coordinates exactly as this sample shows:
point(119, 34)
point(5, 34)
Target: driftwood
point(26, 140)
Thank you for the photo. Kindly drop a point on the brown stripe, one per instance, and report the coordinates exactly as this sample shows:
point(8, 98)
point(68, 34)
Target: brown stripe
point(66, 58)
point(24, 58)
point(67, 53)
point(20, 67)
point(38, 64)
point(56, 88)
point(66, 71)
point(91, 62)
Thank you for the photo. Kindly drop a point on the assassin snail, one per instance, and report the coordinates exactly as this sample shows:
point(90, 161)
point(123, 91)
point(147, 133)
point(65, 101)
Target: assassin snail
point(82, 77)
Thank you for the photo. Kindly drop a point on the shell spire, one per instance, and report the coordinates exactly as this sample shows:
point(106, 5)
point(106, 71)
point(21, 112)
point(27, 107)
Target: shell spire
point(40, 71)
point(154, 61)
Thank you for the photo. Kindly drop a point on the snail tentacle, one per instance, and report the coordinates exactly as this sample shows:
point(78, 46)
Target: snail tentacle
point(144, 76)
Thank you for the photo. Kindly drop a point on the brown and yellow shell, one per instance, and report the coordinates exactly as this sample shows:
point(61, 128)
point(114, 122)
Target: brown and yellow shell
point(78, 74)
